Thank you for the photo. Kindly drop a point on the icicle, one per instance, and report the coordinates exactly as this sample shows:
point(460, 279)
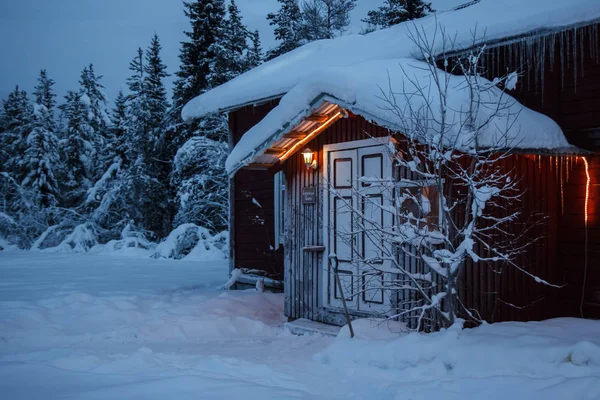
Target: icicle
point(562, 59)
point(552, 51)
point(568, 48)
point(575, 59)
point(581, 49)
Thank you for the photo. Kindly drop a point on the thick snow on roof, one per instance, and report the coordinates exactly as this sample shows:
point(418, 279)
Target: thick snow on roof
point(491, 19)
point(363, 89)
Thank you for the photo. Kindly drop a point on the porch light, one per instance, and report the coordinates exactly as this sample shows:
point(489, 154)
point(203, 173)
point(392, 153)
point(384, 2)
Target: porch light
point(309, 159)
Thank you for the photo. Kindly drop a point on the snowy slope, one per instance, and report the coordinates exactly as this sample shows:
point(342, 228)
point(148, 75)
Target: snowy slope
point(490, 19)
point(81, 326)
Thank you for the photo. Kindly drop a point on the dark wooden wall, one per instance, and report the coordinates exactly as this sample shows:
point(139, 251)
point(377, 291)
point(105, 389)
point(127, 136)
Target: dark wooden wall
point(253, 229)
point(568, 91)
point(572, 240)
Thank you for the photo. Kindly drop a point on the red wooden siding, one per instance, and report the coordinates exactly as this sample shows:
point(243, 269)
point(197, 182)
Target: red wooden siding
point(253, 229)
point(571, 240)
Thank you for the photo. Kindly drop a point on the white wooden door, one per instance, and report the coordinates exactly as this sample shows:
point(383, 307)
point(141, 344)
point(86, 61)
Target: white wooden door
point(355, 216)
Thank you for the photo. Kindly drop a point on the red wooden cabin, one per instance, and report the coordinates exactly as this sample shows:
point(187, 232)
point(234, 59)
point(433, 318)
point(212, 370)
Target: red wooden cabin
point(278, 208)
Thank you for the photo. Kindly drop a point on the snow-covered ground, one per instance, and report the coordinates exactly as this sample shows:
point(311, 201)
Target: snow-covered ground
point(81, 326)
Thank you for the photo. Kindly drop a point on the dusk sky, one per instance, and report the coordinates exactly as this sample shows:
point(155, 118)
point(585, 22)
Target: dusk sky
point(65, 35)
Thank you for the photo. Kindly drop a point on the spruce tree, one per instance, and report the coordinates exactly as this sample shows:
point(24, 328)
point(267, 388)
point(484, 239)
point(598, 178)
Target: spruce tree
point(206, 17)
point(17, 124)
point(91, 94)
point(93, 97)
point(78, 149)
point(325, 19)
point(155, 72)
point(393, 12)
point(139, 114)
point(288, 28)
point(44, 94)
point(255, 53)
point(118, 129)
point(41, 157)
point(230, 50)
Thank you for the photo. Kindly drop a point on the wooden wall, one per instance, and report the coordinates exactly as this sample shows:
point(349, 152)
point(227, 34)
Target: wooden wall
point(571, 237)
point(569, 93)
point(252, 228)
point(498, 293)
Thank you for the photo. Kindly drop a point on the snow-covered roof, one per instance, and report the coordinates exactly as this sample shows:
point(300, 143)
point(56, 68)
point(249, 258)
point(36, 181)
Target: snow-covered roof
point(366, 89)
point(492, 20)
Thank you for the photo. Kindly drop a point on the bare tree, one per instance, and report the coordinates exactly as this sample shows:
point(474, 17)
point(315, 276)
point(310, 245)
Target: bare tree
point(453, 200)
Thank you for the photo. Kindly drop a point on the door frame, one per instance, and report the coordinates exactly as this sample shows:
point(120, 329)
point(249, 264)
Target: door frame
point(357, 144)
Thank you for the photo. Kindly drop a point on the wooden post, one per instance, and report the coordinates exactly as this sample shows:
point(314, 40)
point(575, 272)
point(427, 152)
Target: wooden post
point(339, 283)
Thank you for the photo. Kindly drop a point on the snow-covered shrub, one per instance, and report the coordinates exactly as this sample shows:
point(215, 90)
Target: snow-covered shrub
point(199, 174)
point(132, 242)
point(80, 240)
point(191, 241)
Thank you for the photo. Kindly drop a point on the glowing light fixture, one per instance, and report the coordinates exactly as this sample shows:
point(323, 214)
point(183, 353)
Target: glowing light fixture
point(587, 187)
point(309, 159)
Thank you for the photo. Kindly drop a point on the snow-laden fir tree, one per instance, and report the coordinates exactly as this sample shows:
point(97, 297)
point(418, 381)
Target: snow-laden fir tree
point(78, 147)
point(255, 53)
point(288, 28)
point(325, 19)
point(16, 123)
point(92, 95)
point(41, 158)
point(155, 73)
point(158, 219)
point(229, 52)
point(206, 18)
point(118, 127)
point(393, 12)
point(138, 110)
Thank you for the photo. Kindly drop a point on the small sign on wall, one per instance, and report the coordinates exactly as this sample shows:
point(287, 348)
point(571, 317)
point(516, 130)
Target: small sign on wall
point(309, 195)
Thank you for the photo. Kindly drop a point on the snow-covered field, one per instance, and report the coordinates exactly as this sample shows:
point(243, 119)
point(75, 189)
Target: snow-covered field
point(101, 327)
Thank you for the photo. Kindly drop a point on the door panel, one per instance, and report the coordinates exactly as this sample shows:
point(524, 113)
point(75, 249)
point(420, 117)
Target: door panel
point(354, 240)
point(342, 239)
point(375, 193)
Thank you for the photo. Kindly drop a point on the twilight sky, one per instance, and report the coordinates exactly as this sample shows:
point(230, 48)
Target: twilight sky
point(65, 35)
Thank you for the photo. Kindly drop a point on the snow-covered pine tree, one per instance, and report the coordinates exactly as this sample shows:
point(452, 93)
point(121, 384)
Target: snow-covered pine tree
point(155, 73)
point(206, 17)
point(17, 120)
point(41, 157)
point(79, 150)
point(157, 219)
point(139, 140)
point(118, 128)
point(288, 28)
point(255, 53)
point(44, 94)
point(229, 52)
point(92, 96)
point(325, 19)
point(393, 12)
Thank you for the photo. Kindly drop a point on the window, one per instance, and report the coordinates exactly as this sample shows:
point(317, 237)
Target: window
point(279, 193)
